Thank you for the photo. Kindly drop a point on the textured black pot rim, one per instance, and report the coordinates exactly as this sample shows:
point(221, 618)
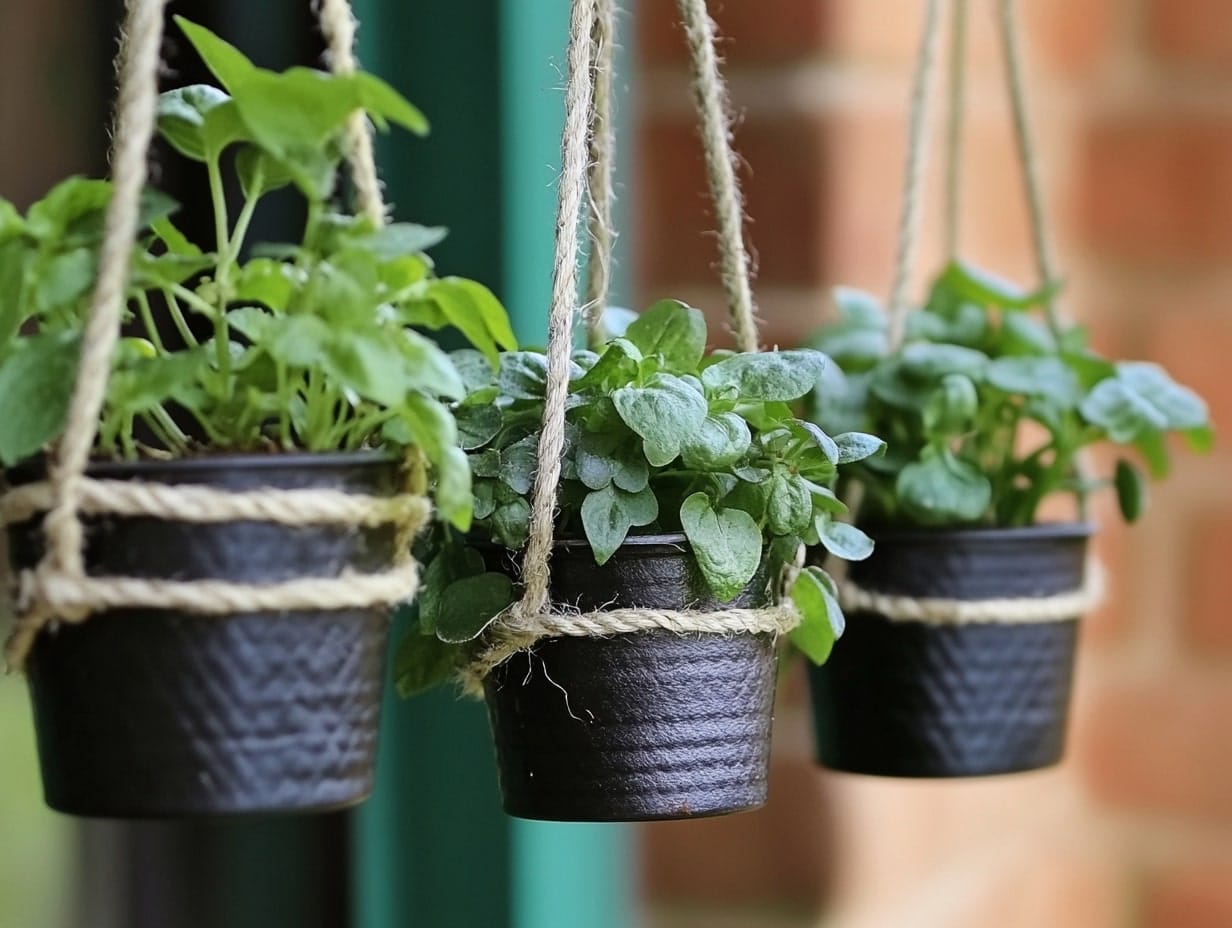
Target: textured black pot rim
point(36, 468)
point(677, 541)
point(1041, 531)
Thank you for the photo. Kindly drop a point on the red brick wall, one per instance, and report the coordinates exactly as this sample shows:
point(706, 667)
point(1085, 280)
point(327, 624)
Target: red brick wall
point(1133, 102)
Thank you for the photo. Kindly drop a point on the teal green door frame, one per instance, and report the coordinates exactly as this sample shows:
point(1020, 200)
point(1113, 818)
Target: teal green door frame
point(432, 849)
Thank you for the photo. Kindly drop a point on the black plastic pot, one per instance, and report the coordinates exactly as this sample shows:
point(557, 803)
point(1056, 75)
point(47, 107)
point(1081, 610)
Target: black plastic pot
point(908, 699)
point(636, 727)
point(156, 714)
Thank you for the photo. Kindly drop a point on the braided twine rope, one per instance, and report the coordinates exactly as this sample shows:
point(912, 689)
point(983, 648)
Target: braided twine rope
point(943, 611)
point(58, 589)
point(588, 128)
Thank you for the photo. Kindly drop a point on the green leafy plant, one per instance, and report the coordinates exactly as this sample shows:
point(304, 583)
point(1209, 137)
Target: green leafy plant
point(986, 406)
point(308, 346)
point(661, 437)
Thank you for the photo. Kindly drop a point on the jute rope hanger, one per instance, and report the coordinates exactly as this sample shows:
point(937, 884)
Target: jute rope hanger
point(938, 611)
point(532, 619)
point(59, 590)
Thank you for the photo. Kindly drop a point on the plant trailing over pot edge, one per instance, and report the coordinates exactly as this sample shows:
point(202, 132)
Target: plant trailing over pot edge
point(986, 409)
point(661, 437)
point(310, 350)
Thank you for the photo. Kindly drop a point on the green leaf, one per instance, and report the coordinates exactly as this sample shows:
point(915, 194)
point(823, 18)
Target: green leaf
point(400, 239)
point(141, 385)
point(36, 381)
point(773, 375)
point(15, 258)
point(478, 425)
point(523, 375)
point(1022, 334)
point(951, 407)
point(727, 543)
point(65, 278)
point(979, 286)
point(431, 427)
point(1139, 398)
point(1048, 377)
point(940, 489)
point(1130, 490)
point(67, 205)
point(616, 365)
point(673, 331)
point(856, 446)
point(821, 616)
point(510, 523)
point(454, 498)
point(789, 505)
point(225, 61)
point(605, 458)
point(474, 310)
point(928, 361)
point(1180, 407)
point(722, 440)
point(422, 662)
point(609, 514)
point(845, 540)
point(383, 102)
point(470, 605)
point(666, 413)
point(181, 118)
point(519, 462)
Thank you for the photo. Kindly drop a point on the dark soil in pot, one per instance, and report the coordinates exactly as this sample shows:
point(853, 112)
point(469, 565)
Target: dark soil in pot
point(635, 727)
point(909, 699)
point(153, 714)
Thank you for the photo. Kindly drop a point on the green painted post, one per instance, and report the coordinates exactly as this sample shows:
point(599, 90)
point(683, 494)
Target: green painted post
point(432, 849)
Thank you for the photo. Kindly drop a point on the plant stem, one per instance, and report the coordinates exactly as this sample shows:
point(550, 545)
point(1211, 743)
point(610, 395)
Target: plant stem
point(147, 319)
point(177, 317)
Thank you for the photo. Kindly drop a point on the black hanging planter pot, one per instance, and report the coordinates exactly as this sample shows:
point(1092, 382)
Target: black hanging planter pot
point(909, 699)
point(157, 714)
point(647, 726)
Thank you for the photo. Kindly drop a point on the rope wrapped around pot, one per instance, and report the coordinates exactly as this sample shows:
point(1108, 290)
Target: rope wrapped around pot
point(58, 589)
point(592, 33)
point(938, 611)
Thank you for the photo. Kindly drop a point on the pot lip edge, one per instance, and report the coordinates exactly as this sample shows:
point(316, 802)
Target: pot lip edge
point(677, 540)
point(32, 471)
point(1039, 531)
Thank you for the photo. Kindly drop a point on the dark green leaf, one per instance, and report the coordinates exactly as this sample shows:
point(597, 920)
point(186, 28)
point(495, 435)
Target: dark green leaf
point(477, 425)
point(789, 506)
point(181, 118)
point(1130, 490)
point(519, 462)
point(943, 490)
point(422, 662)
point(470, 605)
point(608, 514)
point(523, 375)
point(721, 441)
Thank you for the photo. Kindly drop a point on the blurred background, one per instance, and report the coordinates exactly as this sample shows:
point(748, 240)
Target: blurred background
point(1132, 101)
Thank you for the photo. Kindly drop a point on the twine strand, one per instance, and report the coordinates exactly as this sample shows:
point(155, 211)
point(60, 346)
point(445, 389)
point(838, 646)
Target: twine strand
point(913, 192)
point(602, 227)
point(536, 576)
point(135, 115)
point(338, 25)
point(714, 124)
point(954, 136)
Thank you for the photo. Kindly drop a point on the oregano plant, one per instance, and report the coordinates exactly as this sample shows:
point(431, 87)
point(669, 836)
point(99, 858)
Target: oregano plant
point(310, 345)
point(661, 437)
point(987, 404)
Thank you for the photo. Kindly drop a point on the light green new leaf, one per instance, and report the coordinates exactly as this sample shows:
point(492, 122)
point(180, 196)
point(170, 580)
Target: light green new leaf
point(181, 118)
point(727, 543)
point(36, 381)
point(225, 61)
point(673, 331)
point(821, 616)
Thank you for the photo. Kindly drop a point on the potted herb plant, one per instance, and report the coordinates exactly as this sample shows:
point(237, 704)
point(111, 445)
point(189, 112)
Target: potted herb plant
point(688, 483)
point(959, 652)
point(281, 369)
